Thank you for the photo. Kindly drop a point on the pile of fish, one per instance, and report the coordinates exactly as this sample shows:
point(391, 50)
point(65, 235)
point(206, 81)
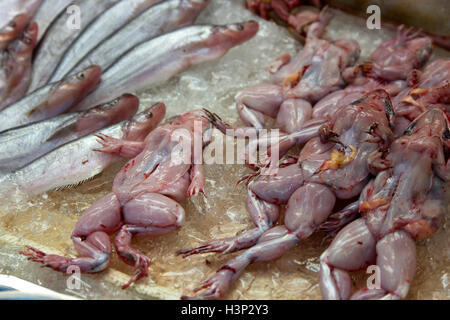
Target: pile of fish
point(375, 138)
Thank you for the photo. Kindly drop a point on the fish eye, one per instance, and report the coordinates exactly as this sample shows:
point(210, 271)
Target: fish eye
point(27, 40)
point(148, 115)
point(80, 76)
point(12, 24)
point(240, 27)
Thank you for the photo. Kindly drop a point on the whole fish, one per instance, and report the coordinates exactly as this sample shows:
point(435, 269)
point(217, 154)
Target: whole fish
point(78, 160)
point(159, 59)
point(108, 23)
point(24, 144)
point(47, 12)
point(51, 100)
point(165, 17)
point(15, 72)
point(10, 9)
point(60, 34)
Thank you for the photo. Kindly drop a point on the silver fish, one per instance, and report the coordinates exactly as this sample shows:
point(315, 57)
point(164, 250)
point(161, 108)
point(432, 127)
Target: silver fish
point(77, 161)
point(47, 12)
point(22, 145)
point(59, 36)
point(12, 8)
point(159, 59)
point(104, 26)
point(156, 20)
point(51, 100)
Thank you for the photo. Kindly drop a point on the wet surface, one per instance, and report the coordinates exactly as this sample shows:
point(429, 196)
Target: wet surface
point(47, 221)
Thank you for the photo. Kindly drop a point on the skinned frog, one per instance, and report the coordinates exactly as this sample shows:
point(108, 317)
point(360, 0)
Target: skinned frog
point(396, 58)
point(407, 51)
point(297, 82)
point(431, 89)
point(331, 166)
point(144, 200)
point(411, 91)
point(405, 202)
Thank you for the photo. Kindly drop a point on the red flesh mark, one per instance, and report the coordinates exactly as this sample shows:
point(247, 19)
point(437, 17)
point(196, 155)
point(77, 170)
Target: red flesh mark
point(228, 268)
point(304, 70)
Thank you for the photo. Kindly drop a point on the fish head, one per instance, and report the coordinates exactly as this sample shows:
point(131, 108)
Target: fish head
point(85, 80)
point(144, 122)
point(10, 29)
point(89, 75)
point(222, 38)
point(67, 93)
point(119, 109)
point(215, 41)
point(26, 42)
point(233, 34)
